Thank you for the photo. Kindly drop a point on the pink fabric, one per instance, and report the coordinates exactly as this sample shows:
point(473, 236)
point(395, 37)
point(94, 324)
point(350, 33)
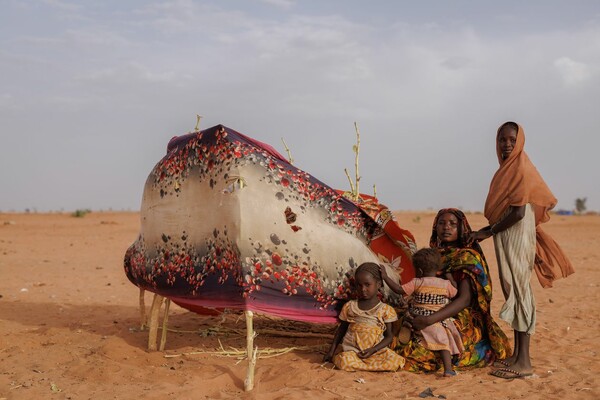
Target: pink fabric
point(207, 306)
point(410, 287)
point(441, 335)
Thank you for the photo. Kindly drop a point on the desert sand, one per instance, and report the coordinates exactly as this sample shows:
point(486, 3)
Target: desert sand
point(69, 326)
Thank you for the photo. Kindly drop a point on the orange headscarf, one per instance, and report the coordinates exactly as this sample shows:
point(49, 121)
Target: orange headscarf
point(517, 183)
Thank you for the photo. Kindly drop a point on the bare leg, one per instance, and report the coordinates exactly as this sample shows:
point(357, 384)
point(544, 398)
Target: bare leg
point(522, 362)
point(521, 366)
point(447, 360)
point(507, 362)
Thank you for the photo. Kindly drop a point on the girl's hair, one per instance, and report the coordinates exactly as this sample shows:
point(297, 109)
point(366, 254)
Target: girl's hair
point(427, 260)
point(370, 268)
point(509, 124)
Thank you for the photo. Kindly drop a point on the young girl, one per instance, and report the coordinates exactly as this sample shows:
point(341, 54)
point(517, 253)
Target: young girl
point(431, 294)
point(366, 328)
point(518, 202)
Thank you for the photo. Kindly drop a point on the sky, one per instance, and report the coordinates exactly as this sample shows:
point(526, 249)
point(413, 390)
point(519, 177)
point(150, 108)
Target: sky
point(91, 92)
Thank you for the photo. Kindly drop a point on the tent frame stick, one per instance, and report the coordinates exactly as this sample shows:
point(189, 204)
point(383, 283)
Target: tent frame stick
point(163, 336)
point(142, 309)
point(153, 323)
point(251, 352)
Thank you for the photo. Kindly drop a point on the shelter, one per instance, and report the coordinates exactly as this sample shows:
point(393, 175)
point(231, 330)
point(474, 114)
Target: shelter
point(227, 222)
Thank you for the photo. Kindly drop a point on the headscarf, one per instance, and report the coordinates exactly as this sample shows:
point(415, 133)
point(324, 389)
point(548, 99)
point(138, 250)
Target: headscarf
point(464, 230)
point(517, 183)
point(466, 258)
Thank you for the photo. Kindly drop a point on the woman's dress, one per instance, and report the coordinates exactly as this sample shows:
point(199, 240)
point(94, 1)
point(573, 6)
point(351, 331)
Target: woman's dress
point(483, 340)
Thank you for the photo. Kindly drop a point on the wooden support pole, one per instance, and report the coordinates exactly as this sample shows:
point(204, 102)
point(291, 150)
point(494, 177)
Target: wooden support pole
point(163, 336)
point(251, 352)
point(142, 310)
point(153, 323)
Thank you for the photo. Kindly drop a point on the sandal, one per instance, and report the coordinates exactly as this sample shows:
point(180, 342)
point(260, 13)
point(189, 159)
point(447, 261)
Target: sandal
point(508, 373)
point(501, 364)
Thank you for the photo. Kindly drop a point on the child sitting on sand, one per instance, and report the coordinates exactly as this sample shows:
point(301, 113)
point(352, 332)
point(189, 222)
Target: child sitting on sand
point(366, 328)
point(430, 294)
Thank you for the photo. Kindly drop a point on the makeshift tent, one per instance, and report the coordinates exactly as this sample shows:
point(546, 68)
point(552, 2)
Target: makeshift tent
point(227, 222)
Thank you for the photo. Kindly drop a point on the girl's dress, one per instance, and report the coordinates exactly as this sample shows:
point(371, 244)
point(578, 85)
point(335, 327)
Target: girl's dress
point(365, 330)
point(431, 294)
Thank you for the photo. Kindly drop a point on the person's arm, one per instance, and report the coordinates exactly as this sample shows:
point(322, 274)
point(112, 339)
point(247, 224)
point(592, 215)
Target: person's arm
point(388, 335)
point(339, 335)
point(393, 285)
point(515, 214)
point(454, 307)
point(450, 278)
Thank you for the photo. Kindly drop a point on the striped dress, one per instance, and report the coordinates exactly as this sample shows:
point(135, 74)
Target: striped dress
point(515, 252)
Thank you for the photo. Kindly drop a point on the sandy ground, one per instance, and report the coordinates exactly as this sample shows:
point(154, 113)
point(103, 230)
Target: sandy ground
point(69, 327)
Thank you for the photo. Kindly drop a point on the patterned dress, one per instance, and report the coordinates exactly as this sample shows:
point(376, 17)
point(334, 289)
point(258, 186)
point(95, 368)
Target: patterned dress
point(365, 330)
point(431, 294)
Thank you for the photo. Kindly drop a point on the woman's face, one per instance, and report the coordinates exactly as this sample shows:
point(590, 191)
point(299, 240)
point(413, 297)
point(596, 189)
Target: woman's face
point(506, 141)
point(447, 228)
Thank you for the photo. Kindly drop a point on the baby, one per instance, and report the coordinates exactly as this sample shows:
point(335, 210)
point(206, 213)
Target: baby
point(430, 294)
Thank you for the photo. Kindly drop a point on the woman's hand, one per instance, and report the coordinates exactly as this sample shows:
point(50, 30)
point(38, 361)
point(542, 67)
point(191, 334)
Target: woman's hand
point(479, 235)
point(419, 322)
point(366, 353)
point(416, 322)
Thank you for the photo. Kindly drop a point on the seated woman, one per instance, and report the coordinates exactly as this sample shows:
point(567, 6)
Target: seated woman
point(482, 338)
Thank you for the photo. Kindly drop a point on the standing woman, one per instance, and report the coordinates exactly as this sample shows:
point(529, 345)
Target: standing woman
point(518, 201)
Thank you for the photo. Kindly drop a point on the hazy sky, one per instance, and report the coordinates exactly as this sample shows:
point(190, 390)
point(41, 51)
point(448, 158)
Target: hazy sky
point(91, 92)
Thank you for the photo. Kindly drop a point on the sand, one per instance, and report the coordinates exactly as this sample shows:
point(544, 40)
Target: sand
point(69, 327)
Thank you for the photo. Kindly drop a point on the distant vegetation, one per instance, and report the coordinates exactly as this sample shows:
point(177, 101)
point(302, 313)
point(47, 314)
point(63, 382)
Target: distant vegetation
point(580, 206)
point(80, 213)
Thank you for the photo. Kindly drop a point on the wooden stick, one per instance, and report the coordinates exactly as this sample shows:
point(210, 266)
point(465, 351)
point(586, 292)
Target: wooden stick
point(249, 382)
point(142, 310)
point(289, 153)
point(273, 332)
point(351, 184)
point(198, 118)
point(356, 152)
point(163, 336)
point(264, 353)
point(153, 323)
